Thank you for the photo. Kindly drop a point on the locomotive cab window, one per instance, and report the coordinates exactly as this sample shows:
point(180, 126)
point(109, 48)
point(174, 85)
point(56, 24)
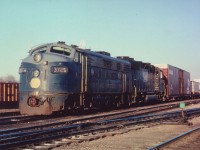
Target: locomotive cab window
point(39, 50)
point(60, 50)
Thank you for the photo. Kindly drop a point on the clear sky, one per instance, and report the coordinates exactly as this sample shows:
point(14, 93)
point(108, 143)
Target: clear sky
point(155, 31)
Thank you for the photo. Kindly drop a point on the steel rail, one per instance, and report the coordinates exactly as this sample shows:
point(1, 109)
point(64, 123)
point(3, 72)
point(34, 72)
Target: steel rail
point(174, 139)
point(71, 121)
point(22, 119)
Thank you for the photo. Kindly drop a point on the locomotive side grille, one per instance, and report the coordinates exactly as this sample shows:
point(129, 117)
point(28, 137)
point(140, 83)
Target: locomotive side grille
point(119, 66)
point(126, 68)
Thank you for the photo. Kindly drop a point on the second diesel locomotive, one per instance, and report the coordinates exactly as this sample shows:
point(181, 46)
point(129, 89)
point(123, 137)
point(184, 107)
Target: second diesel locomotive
point(56, 77)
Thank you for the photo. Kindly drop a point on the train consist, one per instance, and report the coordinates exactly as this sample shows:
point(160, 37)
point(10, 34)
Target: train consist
point(9, 94)
point(58, 77)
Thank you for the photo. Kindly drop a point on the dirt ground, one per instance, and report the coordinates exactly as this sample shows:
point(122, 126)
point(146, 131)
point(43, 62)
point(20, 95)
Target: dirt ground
point(140, 139)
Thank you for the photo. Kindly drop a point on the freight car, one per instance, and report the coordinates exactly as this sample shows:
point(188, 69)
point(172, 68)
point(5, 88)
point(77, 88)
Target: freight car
point(56, 77)
point(177, 82)
point(9, 94)
point(195, 89)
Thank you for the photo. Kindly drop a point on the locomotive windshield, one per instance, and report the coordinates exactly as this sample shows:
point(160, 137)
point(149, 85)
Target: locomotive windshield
point(60, 50)
point(39, 50)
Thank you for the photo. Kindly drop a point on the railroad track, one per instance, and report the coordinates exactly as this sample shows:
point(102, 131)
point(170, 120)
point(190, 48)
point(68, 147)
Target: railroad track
point(24, 119)
point(74, 119)
point(184, 141)
point(16, 118)
point(116, 120)
point(14, 138)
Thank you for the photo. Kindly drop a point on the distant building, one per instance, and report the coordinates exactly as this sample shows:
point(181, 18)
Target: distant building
point(197, 80)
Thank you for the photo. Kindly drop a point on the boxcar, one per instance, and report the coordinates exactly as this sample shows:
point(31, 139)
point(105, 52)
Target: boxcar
point(178, 81)
point(195, 90)
point(9, 94)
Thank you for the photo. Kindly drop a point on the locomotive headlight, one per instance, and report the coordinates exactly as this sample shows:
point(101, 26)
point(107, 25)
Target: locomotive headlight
point(36, 73)
point(37, 57)
point(35, 83)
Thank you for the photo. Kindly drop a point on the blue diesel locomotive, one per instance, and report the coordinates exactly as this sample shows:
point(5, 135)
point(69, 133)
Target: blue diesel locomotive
point(57, 77)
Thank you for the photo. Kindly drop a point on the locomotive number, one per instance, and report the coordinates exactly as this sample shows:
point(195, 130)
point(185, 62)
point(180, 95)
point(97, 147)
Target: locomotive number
point(60, 70)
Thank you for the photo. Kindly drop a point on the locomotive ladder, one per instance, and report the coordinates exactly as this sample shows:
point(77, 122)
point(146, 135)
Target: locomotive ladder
point(123, 97)
point(84, 78)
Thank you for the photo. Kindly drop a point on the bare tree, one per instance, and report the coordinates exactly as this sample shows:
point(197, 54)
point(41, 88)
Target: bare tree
point(8, 78)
